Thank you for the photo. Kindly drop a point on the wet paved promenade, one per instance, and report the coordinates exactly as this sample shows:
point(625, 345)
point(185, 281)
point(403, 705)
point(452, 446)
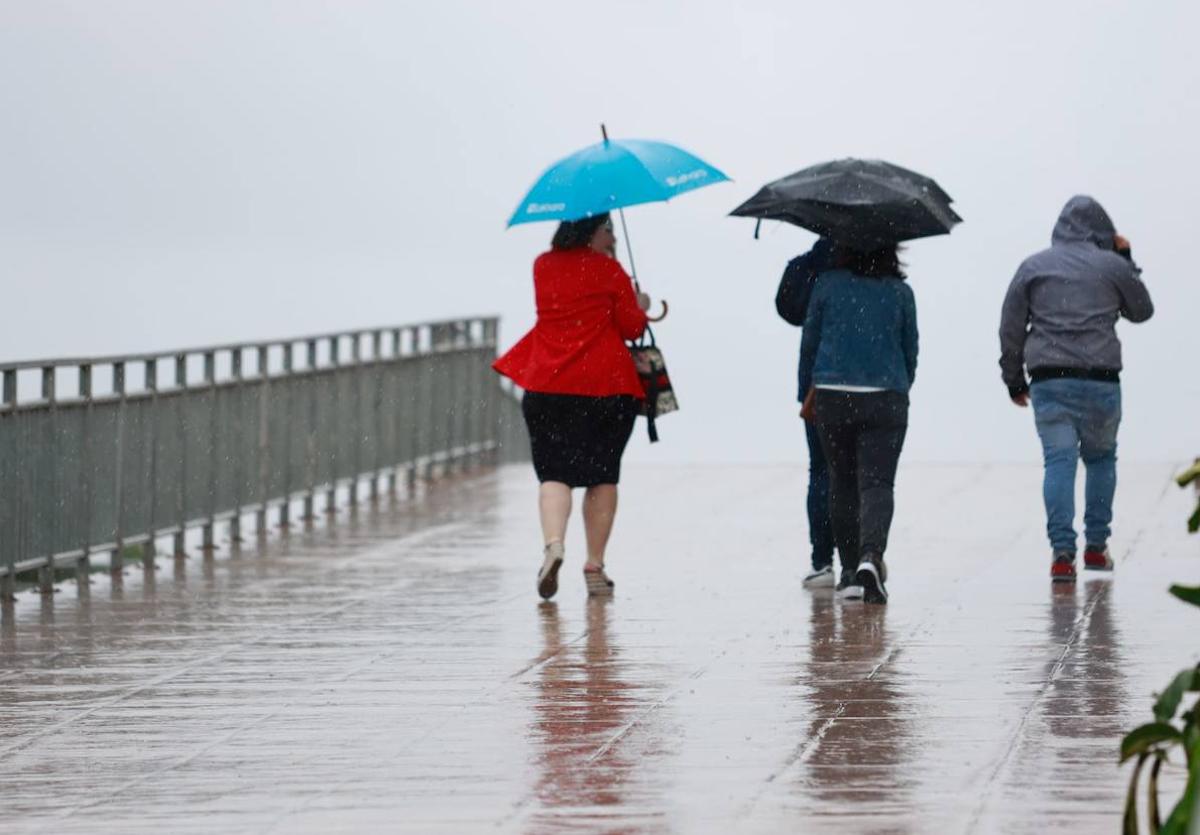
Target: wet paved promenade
point(396, 672)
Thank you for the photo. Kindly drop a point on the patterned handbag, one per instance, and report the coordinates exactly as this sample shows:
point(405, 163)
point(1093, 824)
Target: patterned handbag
point(652, 369)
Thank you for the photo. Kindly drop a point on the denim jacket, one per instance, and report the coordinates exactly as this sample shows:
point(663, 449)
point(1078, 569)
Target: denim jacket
point(860, 332)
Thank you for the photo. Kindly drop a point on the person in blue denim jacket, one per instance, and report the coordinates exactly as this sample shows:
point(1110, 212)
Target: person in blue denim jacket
point(791, 303)
point(1059, 321)
point(859, 349)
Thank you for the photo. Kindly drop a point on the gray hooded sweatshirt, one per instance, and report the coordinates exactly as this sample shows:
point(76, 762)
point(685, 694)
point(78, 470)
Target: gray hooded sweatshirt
point(1060, 314)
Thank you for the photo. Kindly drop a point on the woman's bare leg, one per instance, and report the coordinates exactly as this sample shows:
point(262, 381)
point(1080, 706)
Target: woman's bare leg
point(599, 511)
point(554, 508)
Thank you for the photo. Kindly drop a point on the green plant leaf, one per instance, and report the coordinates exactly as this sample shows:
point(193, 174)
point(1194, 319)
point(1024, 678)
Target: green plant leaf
point(1188, 594)
point(1183, 819)
point(1139, 740)
point(1152, 794)
point(1130, 824)
point(1168, 702)
point(1191, 736)
point(1189, 475)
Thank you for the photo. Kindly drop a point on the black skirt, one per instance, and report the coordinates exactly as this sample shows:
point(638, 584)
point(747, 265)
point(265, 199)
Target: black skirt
point(578, 440)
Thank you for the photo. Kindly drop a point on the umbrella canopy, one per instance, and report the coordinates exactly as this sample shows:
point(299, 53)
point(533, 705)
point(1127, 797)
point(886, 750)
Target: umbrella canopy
point(856, 202)
point(610, 175)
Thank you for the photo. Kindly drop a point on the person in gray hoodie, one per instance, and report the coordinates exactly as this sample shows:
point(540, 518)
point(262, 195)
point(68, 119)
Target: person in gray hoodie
point(1059, 322)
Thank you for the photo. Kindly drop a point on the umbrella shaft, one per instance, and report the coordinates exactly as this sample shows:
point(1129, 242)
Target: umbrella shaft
point(629, 249)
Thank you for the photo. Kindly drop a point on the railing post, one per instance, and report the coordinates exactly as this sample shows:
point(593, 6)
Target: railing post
point(376, 412)
point(475, 395)
point(418, 431)
point(83, 566)
point(285, 507)
point(491, 394)
point(395, 458)
point(422, 406)
point(149, 550)
point(10, 388)
point(235, 521)
point(458, 414)
point(484, 382)
point(433, 407)
point(117, 563)
point(181, 383)
point(46, 572)
point(407, 435)
point(264, 447)
point(310, 439)
point(48, 393)
point(207, 544)
point(356, 420)
point(468, 395)
point(331, 493)
point(11, 541)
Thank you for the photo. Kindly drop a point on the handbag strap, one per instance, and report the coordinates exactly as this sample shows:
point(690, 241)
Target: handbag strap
point(641, 342)
point(652, 407)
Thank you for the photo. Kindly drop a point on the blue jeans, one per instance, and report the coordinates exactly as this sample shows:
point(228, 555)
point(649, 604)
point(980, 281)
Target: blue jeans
point(820, 528)
point(1078, 419)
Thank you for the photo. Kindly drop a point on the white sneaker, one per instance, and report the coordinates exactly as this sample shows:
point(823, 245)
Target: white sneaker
point(820, 578)
point(870, 576)
point(849, 589)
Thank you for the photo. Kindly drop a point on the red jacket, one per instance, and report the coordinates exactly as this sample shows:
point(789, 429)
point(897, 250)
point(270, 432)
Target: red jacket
point(586, 308)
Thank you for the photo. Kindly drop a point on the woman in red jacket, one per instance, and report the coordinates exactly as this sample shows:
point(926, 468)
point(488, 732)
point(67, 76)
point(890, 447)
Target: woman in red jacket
point(582, 391)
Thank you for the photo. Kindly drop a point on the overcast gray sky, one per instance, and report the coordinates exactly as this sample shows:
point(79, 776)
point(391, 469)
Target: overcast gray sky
point(175, 173)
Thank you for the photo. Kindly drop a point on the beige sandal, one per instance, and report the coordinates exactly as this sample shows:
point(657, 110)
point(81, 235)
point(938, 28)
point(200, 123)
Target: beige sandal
point(598, 583)
point(547, 583)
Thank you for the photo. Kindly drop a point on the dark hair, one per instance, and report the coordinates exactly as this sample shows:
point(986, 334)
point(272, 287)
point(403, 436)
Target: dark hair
point(878, 262)
point(572, 234)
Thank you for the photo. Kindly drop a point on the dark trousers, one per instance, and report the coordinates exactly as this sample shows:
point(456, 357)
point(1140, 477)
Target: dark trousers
point(862, 435)
point(820, 528)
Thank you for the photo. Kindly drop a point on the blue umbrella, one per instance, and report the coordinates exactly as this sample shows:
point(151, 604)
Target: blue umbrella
point(610, 175)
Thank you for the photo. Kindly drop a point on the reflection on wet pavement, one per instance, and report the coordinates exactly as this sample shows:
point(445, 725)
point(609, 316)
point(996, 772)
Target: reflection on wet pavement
point(583, 703)
point(396, 672)
point(856, 737)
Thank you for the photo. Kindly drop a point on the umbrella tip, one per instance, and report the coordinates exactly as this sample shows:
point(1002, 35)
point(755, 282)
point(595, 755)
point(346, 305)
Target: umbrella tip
point(604, 132)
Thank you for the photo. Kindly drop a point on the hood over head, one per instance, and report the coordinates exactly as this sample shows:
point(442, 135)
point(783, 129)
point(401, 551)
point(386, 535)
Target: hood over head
point(1084, 219)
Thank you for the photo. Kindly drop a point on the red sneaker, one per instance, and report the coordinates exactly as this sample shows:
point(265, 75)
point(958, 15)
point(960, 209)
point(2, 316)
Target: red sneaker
point(1062, 570)
point(1097, 558)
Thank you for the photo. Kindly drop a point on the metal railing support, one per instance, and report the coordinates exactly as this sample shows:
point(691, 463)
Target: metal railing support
point(150, 376)
point(93, 470)
point(117, 561)
point(207, 543)
point(237, 464)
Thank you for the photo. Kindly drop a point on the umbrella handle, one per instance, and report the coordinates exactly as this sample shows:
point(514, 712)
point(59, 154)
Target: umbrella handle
point(660, 316)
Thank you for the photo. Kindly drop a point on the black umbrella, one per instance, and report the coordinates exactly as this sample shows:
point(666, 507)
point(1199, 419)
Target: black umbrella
point(856, 201)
